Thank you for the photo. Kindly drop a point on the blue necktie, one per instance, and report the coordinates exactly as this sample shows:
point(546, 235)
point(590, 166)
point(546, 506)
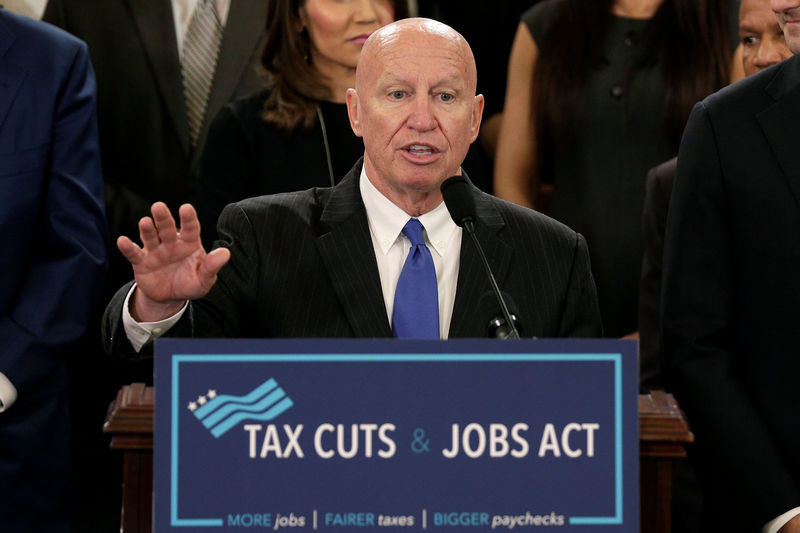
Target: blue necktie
point(416, 298)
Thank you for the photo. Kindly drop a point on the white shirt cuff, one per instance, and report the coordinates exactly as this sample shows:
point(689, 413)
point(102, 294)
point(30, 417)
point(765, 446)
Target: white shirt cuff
point(139, 333)
point(774, 525)
point(8, 393)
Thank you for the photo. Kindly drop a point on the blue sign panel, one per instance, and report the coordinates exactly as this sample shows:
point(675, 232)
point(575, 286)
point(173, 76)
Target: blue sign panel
point(362, 435)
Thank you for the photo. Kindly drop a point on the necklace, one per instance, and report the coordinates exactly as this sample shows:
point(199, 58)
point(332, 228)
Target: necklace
point(327, 147)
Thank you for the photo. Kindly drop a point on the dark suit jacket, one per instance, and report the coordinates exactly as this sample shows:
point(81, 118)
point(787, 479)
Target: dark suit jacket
point(731, 295)
point(144, 136)
point(654, 222)
point(303, 265)
point(52, 232)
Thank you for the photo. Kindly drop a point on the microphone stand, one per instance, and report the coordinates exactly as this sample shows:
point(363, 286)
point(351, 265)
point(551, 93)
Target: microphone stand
point(513, 333)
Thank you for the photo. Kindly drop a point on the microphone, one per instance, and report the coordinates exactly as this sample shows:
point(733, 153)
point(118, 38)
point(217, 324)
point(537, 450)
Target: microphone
point(458, 199)
point(497, 327)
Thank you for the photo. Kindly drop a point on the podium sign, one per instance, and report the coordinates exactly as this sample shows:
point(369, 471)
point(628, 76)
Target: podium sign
point(361, 435)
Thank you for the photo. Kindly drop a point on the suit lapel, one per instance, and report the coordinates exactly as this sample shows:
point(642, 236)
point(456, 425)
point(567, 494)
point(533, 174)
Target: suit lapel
point(11, 76)
point(244, 30)
point(471, 274)
point(347, 252)
point(154, 21)
point(780, 121)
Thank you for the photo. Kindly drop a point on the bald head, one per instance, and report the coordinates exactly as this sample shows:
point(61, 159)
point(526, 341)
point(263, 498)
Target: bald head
point(415, 106)
point(415, 34)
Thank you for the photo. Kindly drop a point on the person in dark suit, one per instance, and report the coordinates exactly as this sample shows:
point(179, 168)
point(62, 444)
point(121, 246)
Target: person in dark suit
point(148, 152)
point(731, 294)
point(326, 262)
point(761, 45)
point(53, 231)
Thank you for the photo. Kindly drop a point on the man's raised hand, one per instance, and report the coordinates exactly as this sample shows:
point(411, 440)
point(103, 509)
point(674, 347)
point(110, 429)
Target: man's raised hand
point(171, 266)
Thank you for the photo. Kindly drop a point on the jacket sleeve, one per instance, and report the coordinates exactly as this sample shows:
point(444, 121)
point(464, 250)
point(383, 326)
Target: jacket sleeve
point(581, 315)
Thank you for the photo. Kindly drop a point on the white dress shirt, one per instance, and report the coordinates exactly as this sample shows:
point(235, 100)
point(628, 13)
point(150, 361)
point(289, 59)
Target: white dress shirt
point(774, 525)
point(8, 393)
point(391, 247)
point(139, 333)
point(442, 237)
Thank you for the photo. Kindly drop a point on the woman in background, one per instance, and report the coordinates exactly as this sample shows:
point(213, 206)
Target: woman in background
point(598, 93)
point(295, 134)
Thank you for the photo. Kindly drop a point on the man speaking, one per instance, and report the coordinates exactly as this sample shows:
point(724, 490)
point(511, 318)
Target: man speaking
point(378, 255)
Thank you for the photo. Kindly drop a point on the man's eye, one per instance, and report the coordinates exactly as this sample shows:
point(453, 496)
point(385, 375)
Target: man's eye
point(397, 95)
point(749, 40)
point(446, 97)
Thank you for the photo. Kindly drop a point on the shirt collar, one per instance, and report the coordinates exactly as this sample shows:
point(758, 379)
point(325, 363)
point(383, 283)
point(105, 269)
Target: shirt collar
point(386, 220)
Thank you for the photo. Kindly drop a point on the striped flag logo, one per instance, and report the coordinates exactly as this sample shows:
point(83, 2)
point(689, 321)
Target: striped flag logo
point(219, 413)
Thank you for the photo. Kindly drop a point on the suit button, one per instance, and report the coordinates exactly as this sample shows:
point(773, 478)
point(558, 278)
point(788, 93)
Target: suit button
point(616, 91)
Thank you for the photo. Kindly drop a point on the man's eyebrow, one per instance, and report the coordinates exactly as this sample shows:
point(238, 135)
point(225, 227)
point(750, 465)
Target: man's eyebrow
point(391, 79)
point(747, 28)
point(453, 79)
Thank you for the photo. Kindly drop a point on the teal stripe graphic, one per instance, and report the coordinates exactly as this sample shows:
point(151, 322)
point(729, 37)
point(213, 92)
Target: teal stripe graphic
point(265, 402)
point(214, 418)
point(234, 419)
point(223, 399)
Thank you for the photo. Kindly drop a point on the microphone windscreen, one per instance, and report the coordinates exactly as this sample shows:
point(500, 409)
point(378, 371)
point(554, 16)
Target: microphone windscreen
point(458, 199)
point(489, 314)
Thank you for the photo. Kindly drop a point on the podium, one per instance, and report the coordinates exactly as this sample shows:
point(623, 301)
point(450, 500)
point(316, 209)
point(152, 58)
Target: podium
point(663, 432)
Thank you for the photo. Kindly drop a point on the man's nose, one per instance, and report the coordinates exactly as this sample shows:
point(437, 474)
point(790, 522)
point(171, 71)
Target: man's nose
point(769, 53)
point(421, 117)
point(782, 5)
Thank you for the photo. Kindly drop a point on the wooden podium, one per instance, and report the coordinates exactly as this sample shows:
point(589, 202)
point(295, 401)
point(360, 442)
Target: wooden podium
point(663, 431)
point(130, 423)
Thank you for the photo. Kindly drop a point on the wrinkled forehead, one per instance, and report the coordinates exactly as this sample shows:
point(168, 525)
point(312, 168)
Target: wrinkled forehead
point(404, 49)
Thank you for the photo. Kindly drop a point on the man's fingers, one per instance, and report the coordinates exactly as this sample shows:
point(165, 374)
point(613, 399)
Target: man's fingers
point(131, 252)
point(213, 262)
point(165, 224)
point(190, 225)
point(148, 234)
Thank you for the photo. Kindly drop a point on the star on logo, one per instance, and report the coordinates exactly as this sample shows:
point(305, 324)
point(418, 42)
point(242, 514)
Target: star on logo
point(212, 394)
point(192, 406)
point(202, 400)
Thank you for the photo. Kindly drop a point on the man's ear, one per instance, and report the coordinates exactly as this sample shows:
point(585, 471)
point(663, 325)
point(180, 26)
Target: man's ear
point(477, 114)
point(354, 111)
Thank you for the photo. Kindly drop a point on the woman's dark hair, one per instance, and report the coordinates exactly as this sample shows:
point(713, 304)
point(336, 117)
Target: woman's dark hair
point(688, 38)
point(295, 85)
